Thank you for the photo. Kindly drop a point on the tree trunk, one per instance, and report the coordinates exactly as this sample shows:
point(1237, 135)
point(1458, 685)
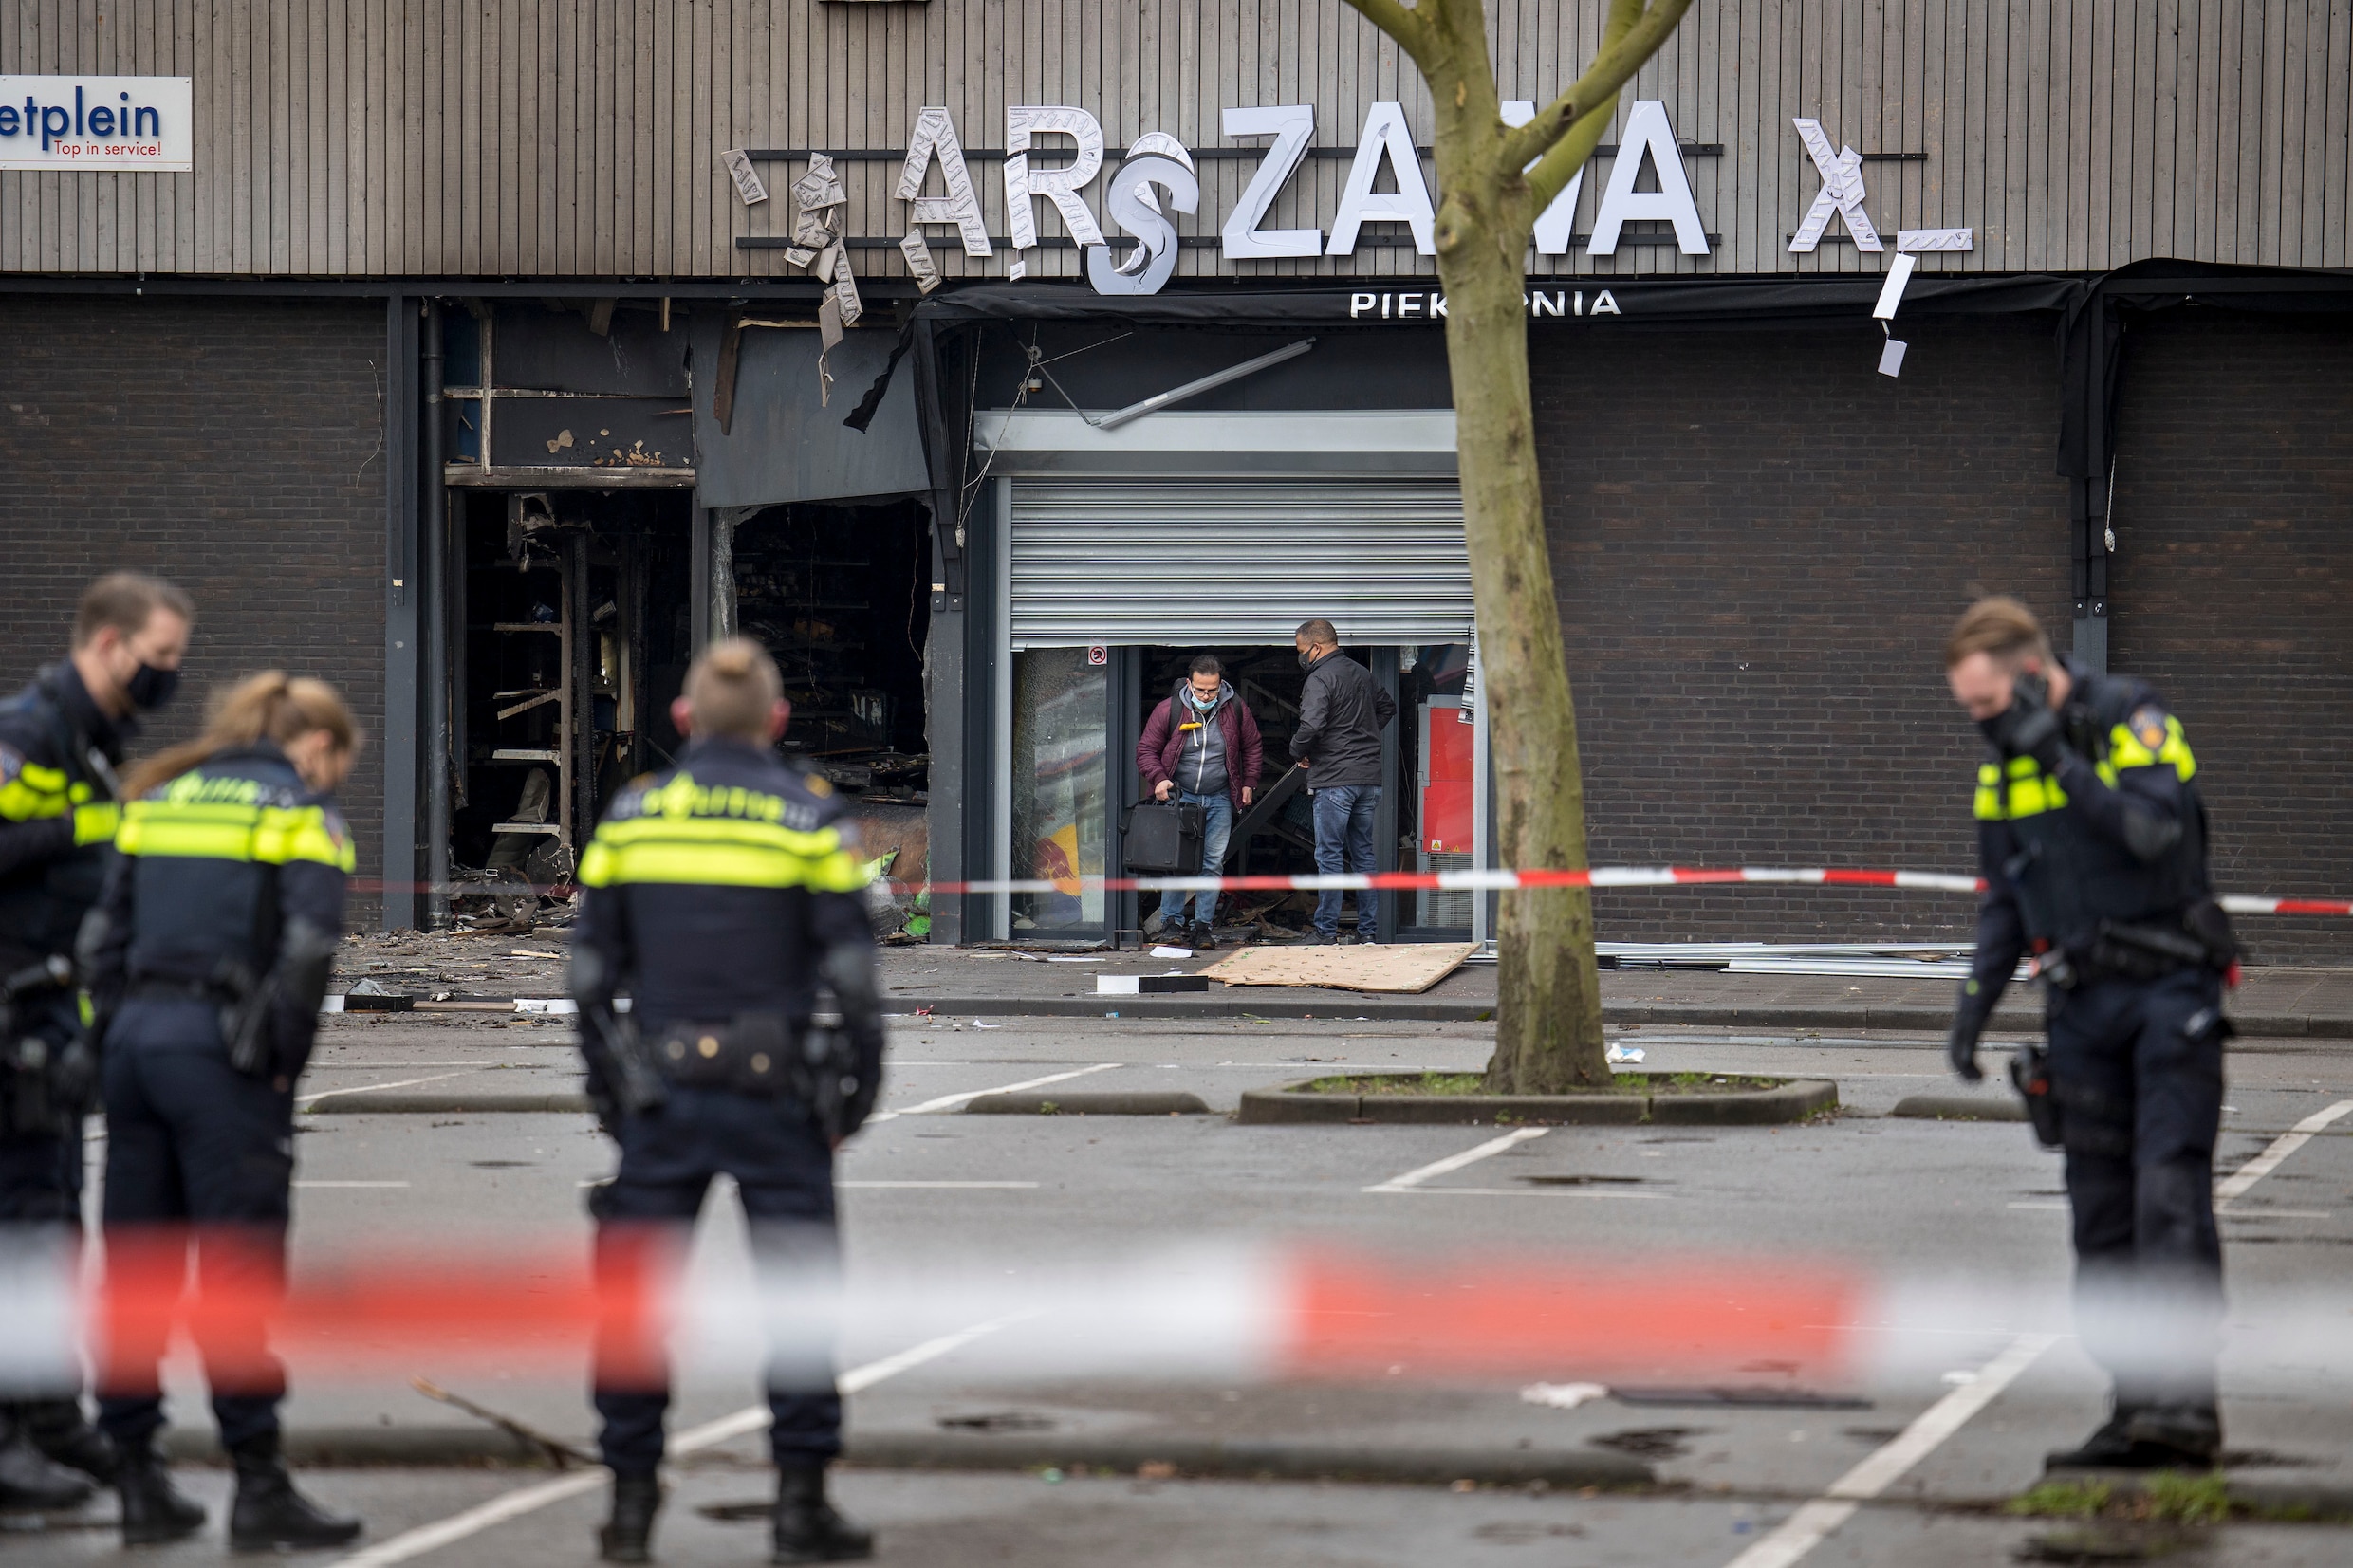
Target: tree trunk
point(1548, 1012)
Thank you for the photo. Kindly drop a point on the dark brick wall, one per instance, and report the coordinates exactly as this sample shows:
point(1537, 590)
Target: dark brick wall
point(1759, 544)
point(231, 446)
point(2233, 589)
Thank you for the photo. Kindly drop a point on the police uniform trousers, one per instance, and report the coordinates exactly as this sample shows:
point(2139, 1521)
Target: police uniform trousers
point(784, 1174)
point(2142, 1104)
point(41, 1179)
point(193, 1144)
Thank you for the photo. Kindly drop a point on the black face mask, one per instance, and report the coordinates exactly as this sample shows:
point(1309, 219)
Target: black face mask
point(1307, 661)
point(150, 687)
point(1995, 729)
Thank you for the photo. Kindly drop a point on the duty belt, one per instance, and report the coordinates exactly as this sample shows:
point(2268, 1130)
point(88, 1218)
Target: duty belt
point(750, 1054)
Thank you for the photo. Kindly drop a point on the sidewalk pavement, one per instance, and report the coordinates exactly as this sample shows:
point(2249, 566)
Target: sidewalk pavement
point(991, 983)
point(994, 982)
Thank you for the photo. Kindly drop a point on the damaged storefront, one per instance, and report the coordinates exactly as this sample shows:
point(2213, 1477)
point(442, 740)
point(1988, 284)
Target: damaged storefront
point(988, 374)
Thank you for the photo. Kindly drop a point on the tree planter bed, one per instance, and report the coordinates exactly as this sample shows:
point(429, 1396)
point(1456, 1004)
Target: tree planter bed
point(1663, 1099)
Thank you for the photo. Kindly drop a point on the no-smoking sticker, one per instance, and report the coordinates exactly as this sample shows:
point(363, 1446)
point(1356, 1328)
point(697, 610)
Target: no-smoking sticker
point(1098, 654)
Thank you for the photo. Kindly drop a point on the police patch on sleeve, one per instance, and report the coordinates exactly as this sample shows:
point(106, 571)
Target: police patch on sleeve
point(2148, 726)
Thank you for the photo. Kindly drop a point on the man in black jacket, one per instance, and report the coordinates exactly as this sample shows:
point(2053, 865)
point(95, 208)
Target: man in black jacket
point(1341, 712)
point(59, 740)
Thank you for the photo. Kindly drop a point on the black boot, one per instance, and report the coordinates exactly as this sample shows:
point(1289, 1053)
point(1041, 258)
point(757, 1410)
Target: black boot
point(2178, 1436)
point(635, 1499)
point(806, 1527)
point(270, 1515)
point(2148, 1437)
point(28, 1481)
point(153, 1510)
point(59, 1429)
point(1202, 938)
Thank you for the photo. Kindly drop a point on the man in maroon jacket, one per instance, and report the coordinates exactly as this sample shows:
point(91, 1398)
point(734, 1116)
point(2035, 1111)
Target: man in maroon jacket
point(1202, 748)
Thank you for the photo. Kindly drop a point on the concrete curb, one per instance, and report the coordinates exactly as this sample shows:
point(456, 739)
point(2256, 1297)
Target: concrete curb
point(1346, 1008)
point(1104, 1102)
point(1958, 1107)
point(369, 1447)
point(394, 1104)
point(1791, 1101)
point(1276, 1459)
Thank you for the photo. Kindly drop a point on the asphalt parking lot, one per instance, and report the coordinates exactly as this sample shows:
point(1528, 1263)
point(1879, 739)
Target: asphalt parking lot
point(1940, 1205)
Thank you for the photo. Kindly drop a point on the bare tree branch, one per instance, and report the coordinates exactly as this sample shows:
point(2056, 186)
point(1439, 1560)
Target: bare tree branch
point(1616, 61)
point(1409, 28)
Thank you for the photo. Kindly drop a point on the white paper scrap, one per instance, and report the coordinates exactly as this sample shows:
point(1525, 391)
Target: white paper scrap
point(1172, 952)
point(1624, 1055)
point(1564, 1396)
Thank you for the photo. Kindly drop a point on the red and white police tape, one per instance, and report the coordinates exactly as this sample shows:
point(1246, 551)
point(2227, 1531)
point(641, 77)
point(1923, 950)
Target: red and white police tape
point(1222, 1311)
point(1450, 881)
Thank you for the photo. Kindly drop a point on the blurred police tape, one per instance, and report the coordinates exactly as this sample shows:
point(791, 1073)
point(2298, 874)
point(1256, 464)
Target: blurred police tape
point(1223, 1313)
point(1468, 881)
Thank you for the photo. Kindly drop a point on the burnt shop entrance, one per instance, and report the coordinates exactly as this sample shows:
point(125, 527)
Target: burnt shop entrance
point(579, 629)
point(1112, 586)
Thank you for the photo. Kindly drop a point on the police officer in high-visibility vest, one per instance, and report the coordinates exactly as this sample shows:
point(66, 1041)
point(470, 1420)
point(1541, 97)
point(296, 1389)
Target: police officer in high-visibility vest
point(721, 896)
point(2093, 842)
point(61, 739)
point(207, 957)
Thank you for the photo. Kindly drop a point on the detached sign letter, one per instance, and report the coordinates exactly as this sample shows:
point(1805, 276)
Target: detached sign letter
point(97, 122)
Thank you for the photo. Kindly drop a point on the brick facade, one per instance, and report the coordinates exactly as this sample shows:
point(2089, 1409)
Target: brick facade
point(2234, 521)
point(232, 446)
point(1759, 544)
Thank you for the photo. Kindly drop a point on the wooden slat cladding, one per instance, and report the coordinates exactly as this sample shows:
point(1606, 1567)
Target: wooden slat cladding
point(581, 137)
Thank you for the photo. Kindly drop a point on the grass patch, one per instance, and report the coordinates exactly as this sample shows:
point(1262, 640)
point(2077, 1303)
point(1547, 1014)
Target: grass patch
point(2061, 1499)
point(2167, 1496)
point(1476, 1083)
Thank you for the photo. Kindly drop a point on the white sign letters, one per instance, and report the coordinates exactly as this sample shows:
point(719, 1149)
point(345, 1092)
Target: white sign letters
point(1387, 136)
point(1647, 131)
point(1841, 194)
point(1132, 205)
point(1292, 126)
point(1059, 186)
point(1557, 221)
point(934, 136)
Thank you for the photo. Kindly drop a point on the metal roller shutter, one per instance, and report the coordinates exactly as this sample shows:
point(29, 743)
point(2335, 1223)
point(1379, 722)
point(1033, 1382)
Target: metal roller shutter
point(1236, 561)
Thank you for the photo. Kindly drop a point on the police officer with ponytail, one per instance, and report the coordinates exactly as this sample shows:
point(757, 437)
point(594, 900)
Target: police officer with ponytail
point(722, 896)
point(207, 957)
point(2092, 844)
point(61, 739)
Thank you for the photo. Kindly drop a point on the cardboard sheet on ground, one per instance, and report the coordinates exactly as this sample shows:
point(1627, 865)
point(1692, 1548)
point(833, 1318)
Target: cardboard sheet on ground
point(1396, 966)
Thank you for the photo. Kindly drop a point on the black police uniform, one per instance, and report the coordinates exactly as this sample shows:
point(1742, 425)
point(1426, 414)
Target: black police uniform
point(719, 896)
point(207, 957)
point(58, 752)
point(2093, 843)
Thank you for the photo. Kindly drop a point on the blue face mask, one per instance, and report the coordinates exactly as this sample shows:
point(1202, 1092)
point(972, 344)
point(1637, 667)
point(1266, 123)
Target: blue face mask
point(1201, 704)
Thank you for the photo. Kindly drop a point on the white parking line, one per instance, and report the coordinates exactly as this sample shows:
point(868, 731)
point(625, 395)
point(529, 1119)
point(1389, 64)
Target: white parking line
point(1414, 1178)
point(2237, 1182)
point(936, 1186)
point(303, 1184)
point(310, 1100)
point(412, 1544)
point(946, 1102)
point(1533, 1191)
point(1807, 1528)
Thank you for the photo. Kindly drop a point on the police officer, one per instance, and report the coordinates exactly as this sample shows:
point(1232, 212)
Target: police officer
point(2093, 843)
point(720, 896)
point(207, 956)
point(59, 741)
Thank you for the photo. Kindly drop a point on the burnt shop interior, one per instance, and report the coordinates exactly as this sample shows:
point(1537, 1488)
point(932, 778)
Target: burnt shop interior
point(587, 567)
point(1323, 486)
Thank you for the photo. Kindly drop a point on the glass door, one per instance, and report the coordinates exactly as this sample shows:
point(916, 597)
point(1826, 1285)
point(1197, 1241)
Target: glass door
point(1061, 811)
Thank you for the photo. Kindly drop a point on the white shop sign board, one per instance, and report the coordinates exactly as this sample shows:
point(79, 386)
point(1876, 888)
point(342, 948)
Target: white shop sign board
point(98, 122)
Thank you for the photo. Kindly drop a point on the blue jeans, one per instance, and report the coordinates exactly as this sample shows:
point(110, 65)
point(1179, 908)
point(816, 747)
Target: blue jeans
point(1217, 828)
point(1343, 842)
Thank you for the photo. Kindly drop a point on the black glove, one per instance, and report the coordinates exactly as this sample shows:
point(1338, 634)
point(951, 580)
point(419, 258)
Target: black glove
point(1960, 1048)
point(1969, 1022)
point(2029, 728)
point(73, 1079)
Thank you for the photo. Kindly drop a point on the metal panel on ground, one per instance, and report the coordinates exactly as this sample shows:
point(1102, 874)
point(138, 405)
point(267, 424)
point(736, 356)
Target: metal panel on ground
point(1145, 560)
